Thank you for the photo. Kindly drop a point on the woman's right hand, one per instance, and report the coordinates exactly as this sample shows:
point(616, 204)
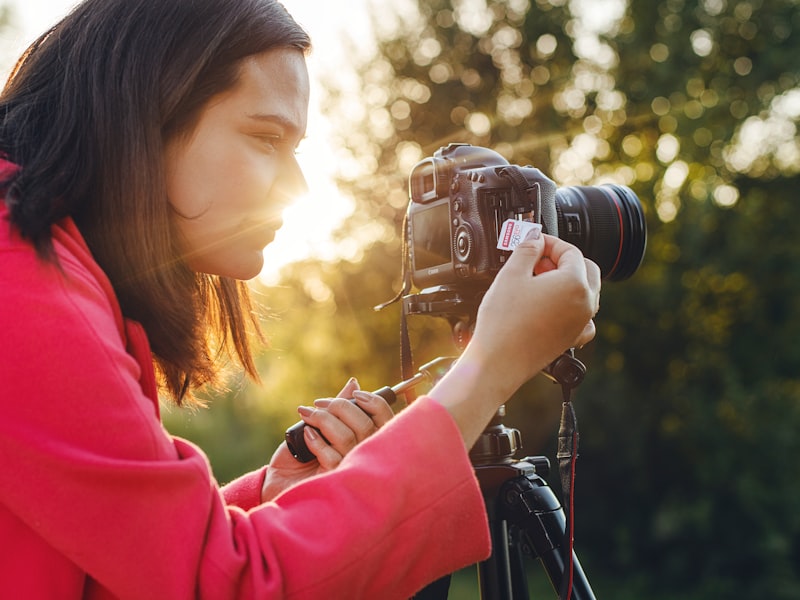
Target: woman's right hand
point(540, 304)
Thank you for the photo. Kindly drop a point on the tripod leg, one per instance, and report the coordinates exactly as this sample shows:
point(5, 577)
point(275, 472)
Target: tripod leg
point(502, 575)
point(533, 507)
point(519, 578)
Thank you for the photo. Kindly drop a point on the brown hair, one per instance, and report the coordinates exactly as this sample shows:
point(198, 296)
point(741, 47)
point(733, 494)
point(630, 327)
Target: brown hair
point(87, 113)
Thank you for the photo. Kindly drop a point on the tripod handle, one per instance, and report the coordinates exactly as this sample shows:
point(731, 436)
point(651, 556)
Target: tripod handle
point(430, 371)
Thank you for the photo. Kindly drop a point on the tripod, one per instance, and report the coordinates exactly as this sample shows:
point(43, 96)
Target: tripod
point(525, 517)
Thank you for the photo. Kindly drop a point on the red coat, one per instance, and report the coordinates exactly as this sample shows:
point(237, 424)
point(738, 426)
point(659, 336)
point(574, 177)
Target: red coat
point(97, 500)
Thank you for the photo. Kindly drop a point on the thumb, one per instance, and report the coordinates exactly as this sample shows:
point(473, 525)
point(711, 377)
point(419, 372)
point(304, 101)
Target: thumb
point(525, 255)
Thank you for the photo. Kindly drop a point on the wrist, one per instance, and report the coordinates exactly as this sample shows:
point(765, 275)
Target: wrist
point(472, 392)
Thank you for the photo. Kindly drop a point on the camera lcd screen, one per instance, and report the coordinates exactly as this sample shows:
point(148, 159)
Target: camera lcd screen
point(431, 229)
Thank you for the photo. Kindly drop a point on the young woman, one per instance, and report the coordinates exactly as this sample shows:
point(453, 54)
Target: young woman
point(147, 151)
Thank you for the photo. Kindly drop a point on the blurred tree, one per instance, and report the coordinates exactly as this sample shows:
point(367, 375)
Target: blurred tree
point(692, 398)
point(8, 52)
point(689, 413)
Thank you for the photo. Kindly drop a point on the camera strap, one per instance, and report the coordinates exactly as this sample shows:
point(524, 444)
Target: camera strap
point(532, 197)
point(522, 187)
point(406, 358)
point(569, 372)
point(567, 456)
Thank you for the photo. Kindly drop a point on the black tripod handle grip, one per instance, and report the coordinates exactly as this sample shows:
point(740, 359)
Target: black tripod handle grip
point(297, 442)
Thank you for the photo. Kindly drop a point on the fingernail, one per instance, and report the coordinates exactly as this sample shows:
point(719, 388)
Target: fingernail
point(322, 402)
point(360, 396)
point(311, 433)
point(533, 234)
point(305, 411)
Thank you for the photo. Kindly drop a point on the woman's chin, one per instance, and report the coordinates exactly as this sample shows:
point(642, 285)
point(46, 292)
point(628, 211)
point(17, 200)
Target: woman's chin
point(242, 267)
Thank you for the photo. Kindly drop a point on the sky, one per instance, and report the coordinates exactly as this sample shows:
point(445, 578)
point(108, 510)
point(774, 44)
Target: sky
point(308, 222)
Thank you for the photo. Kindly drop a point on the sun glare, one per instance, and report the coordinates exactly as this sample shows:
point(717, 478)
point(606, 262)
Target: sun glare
point(307, 227)
point(311, 219)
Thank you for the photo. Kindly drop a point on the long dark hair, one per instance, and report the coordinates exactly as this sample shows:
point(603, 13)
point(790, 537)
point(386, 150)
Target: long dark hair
point(87, 113)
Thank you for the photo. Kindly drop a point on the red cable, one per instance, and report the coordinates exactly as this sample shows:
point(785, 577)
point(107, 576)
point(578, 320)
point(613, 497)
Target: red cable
point(571, 540)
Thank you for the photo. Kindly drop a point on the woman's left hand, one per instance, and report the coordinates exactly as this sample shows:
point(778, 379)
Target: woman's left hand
point(342, 422)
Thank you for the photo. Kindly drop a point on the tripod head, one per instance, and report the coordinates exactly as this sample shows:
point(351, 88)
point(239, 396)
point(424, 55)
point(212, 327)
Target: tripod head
point(459, 306)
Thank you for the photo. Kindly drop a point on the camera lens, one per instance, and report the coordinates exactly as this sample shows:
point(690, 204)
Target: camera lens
point(607, 224)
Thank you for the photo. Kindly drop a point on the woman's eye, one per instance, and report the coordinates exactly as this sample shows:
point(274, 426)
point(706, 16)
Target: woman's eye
point(277, 144)
point(271, 142)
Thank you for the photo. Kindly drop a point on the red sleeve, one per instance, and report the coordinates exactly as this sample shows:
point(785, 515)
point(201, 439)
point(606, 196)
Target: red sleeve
point(89, 470)
point(245, 492)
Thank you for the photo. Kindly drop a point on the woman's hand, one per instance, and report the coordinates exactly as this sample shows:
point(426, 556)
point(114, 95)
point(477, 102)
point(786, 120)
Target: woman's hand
point(541, 303)
point(342, 423)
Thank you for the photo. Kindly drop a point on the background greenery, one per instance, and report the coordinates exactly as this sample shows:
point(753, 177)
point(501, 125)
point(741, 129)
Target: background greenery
point(687, 482)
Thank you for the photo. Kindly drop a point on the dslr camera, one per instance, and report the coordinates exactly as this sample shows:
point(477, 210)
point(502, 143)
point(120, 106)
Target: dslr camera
point(461, 196)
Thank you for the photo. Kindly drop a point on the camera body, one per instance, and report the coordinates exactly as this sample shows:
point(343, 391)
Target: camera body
point(462, 195)
point(460, 198)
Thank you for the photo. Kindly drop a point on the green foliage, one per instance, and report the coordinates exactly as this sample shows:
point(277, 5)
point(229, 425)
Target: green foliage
point(686, 483)
point(691, 403)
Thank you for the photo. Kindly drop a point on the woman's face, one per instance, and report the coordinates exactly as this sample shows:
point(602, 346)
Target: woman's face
point(230, 178)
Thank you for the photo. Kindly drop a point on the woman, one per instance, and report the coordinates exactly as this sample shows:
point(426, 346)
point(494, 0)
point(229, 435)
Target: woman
point(148, 151)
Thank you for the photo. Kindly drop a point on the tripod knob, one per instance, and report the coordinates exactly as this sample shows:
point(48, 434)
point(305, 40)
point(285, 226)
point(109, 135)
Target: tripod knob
point(566, 370)
point(495, 444)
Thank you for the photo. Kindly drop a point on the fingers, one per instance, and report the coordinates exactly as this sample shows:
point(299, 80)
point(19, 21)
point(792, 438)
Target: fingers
point(549, 254)
point(337, 425)
point(375, 406)
point(342, 422)
point(586, 336)
point(348, 389)
point(546, 253)
point(525, 256)
point(567, 260)
point(561, 255)
point(327, 456)
point(547, 292)
point(593, 277)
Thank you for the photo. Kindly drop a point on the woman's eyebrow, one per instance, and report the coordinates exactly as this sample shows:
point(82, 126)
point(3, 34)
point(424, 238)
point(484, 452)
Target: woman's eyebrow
point(291, 129)
point(281, 120)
